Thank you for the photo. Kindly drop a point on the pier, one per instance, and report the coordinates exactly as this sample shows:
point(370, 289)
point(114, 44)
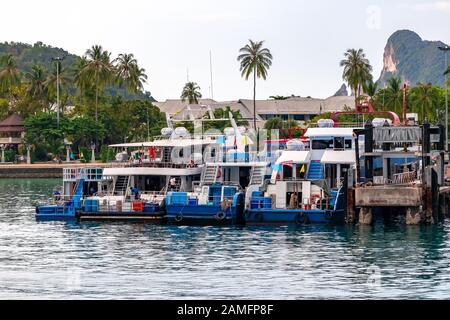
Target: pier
point(414, 188)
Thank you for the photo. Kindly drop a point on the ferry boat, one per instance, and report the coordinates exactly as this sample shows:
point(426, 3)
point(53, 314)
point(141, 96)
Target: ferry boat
point(67, 206)
point(306, 185)
point(220, 195)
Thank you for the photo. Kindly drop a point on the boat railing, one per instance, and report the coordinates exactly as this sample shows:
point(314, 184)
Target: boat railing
point(357, 124)
point(397, 179)
point(90, 174)
point(151, 164)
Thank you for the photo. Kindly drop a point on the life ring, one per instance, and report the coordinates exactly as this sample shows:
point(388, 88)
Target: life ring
point(220, 216)
point(179, 217)
point(299, 218)
point(259, 217)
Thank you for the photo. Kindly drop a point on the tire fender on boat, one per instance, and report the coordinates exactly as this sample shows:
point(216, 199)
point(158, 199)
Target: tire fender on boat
point(259, 217)
point(179, 217)
point(220, 216)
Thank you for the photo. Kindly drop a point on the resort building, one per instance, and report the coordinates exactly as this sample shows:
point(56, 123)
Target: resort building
point(295, 108)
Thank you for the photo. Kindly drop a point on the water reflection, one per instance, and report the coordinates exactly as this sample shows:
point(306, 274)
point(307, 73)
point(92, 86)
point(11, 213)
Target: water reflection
point(121, 260)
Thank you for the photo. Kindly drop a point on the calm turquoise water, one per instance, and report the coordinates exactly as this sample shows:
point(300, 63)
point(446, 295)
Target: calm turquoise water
point(105, 260)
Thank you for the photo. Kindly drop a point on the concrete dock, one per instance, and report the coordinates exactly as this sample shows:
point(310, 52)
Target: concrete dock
point(41, 170)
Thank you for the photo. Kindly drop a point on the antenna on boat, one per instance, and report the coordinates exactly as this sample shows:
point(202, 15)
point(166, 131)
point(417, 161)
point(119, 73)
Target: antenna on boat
point(211, 75)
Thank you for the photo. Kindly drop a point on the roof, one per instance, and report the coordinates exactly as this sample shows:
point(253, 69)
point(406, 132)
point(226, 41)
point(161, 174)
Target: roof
point(178, 109)
point(329, 132)
point(165, 143)
point(13, 123)
point(299, 105)
point(294, 157)
point(338, 157)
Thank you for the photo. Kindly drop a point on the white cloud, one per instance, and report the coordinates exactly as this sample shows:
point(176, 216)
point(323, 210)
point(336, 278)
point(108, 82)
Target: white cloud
point(439, 6)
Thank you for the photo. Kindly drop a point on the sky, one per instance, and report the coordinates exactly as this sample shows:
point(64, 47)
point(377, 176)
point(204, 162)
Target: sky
point(172, 39)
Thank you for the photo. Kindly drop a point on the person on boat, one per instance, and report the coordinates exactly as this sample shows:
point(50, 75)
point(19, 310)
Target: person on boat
point(91, 191)
point(152, 154)
point(173, 183)
point(135, 192)
point(57, 195)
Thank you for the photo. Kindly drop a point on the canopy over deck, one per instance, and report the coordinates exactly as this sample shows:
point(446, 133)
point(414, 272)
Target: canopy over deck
point(329, 132)
point(165, 143)
point(338, 157)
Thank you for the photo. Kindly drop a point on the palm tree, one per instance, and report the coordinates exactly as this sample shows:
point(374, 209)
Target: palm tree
point(371, 89)
point(256, 59)
point(357, 70)
point(100, 68)
point(191, 92)
point(394, 95)
point(424, 98)
point(36, 84)
point(129, 74)
point(9, 73)
point(80, 79)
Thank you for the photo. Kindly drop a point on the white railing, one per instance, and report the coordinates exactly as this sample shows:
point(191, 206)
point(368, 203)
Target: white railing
point(93, 174)
point(398, 178)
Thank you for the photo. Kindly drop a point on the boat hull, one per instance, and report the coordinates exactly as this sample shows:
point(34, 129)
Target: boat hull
point(147, 217)
point(55, 213)
point(299, 217)
point(200, 215)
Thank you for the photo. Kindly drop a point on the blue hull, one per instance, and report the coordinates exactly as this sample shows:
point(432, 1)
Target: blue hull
point(54, 212)
point(200, 214)
point(277, 216)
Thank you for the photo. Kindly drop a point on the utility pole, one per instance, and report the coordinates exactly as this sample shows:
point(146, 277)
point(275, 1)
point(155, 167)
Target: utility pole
point(58, 61)
point(446, 49)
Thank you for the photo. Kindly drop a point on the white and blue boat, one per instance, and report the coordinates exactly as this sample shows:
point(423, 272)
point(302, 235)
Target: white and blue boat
point(306, 185)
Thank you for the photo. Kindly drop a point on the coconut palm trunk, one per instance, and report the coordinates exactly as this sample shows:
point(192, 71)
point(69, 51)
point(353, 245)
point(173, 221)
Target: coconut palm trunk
point(254, 98)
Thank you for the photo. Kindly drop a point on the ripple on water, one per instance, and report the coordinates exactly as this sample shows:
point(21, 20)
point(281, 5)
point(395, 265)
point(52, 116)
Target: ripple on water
point(135, 261)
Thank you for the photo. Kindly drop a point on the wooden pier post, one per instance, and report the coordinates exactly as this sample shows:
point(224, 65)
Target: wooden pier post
point(430, 183)
point(365, 216)
point(349, 183)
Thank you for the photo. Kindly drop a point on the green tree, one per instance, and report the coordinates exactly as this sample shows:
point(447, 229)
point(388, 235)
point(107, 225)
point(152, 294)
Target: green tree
point(36, 86)
point(393, 98)
point(257, 60)
point(424, 96)
point(370, 89)
point(191, 92)
point(80, 78)
point(129, 73)
point(357, 70)
point(99, 68)
point(9, 73)
point(278, 97)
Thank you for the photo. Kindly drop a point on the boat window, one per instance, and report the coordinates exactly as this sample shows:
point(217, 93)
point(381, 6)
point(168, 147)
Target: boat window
point(322, 144)
point(339, 143)
point(348, 143)
point(287, 172)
